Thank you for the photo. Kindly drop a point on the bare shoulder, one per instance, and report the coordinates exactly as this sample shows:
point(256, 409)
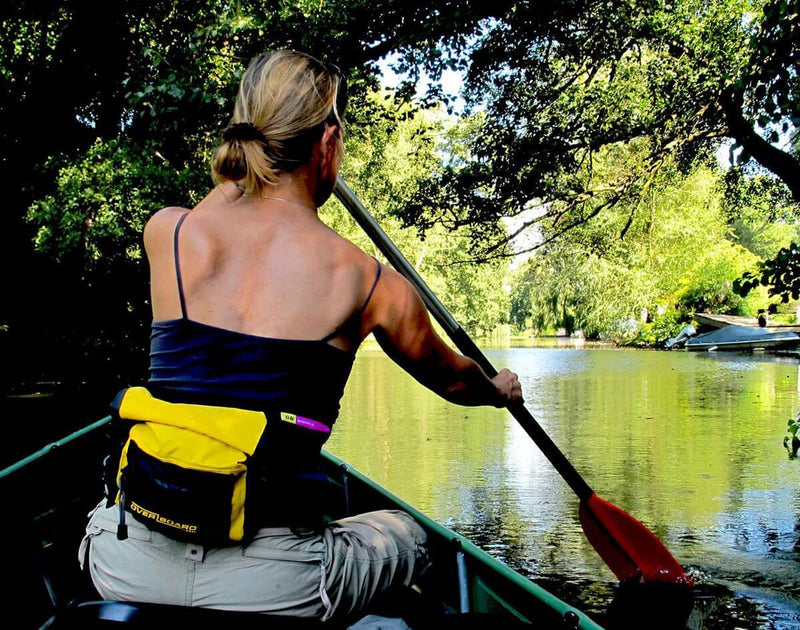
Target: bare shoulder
point(394, 294)
point(164, 217)
point(343, 253)
point(395, 303)
point(161, 226)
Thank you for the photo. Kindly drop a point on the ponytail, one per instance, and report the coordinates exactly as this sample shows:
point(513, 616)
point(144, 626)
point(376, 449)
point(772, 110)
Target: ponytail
point(285, 99)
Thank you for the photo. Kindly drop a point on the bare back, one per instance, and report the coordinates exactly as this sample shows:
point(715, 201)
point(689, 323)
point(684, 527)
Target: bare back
point(269, 270)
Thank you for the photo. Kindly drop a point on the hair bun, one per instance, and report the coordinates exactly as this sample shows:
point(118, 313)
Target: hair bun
point(243, 132)
point(288, 95)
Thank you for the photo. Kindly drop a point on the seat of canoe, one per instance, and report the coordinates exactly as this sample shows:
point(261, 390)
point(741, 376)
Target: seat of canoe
point(112, 614)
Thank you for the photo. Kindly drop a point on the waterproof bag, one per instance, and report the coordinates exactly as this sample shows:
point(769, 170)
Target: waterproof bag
point(185, 470)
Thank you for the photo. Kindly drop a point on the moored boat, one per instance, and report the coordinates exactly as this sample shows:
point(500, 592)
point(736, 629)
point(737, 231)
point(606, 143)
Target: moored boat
point(52, 490)
point(743, 338)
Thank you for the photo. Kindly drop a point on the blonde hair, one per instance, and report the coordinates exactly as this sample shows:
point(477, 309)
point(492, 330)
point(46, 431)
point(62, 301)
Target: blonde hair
point(284, 99)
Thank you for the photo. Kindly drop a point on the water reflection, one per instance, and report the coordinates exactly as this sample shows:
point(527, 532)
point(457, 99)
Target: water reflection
point(688, 443)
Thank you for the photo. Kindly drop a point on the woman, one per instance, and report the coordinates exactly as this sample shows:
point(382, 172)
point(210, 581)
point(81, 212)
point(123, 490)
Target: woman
point(258, 305)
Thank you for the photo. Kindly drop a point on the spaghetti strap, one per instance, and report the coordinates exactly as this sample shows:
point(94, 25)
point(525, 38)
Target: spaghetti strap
point(178, 264)
point(372, 288)
point(357, 315)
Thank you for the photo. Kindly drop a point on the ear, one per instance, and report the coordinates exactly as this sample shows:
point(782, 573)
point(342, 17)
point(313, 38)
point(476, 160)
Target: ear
point(329, 143)
point(329, 138)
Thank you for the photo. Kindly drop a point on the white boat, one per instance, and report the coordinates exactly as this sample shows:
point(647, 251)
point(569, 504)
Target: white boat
point(741, 338)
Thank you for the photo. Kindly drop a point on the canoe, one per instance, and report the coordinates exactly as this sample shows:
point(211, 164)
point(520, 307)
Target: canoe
point(50, 492)
point(743, 338)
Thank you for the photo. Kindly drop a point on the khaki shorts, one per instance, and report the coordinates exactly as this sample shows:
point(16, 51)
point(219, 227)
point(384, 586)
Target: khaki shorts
point(317, 575)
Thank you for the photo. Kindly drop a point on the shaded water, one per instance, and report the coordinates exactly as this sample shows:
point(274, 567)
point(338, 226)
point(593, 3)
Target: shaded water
point(690, 444)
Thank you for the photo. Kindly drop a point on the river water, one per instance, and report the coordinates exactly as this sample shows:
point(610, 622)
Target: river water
point(688, 443)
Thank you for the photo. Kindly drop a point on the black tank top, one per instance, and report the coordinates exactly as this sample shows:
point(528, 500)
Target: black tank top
point(198, 363)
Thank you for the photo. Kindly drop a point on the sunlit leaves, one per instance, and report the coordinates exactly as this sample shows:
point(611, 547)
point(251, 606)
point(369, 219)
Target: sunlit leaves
point(674, 258)
point(780, 274)
point(560, 82)
point(385, 163)
point(98, 212)
point(774, 62)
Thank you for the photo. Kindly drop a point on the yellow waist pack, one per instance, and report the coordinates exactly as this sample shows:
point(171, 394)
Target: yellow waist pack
point(183, 468)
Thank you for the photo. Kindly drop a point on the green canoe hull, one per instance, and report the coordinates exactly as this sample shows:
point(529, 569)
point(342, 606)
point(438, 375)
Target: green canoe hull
point(54, 488)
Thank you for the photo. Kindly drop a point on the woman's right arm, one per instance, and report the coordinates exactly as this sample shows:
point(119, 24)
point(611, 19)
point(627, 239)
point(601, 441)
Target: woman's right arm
point(401, 324)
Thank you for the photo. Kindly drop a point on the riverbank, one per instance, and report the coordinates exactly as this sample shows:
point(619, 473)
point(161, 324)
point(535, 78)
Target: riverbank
point(559, 341)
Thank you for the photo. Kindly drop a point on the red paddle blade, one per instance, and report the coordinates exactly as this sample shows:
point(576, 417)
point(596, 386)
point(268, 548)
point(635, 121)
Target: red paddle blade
point(629, 549)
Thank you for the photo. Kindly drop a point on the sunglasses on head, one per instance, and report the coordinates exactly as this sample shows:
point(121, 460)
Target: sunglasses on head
point(336, 117)
point(341, 92)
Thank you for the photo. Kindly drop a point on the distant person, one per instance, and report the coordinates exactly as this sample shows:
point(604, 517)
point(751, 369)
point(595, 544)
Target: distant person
point(762, 317)
point(258, 305)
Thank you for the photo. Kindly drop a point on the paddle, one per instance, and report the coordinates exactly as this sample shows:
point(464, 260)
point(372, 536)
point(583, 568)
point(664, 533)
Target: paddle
point(630, 550)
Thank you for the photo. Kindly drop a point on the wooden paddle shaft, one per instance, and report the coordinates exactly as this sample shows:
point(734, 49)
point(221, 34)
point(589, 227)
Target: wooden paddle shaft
point(461, 339)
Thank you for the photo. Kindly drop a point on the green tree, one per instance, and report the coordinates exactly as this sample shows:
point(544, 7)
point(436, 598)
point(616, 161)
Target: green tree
point(677, 255)
point(385, 163)
point(94, 220)
point(554, 85)
point(760, 211)
point(77, 76)
point(561, 83)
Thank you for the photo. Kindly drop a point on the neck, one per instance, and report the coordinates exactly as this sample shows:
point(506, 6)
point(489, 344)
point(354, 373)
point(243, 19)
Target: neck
point(287, 200)
point(292, 190)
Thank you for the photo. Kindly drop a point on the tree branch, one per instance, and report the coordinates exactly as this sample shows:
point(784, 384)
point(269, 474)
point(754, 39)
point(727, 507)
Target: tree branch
point(782, 164)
